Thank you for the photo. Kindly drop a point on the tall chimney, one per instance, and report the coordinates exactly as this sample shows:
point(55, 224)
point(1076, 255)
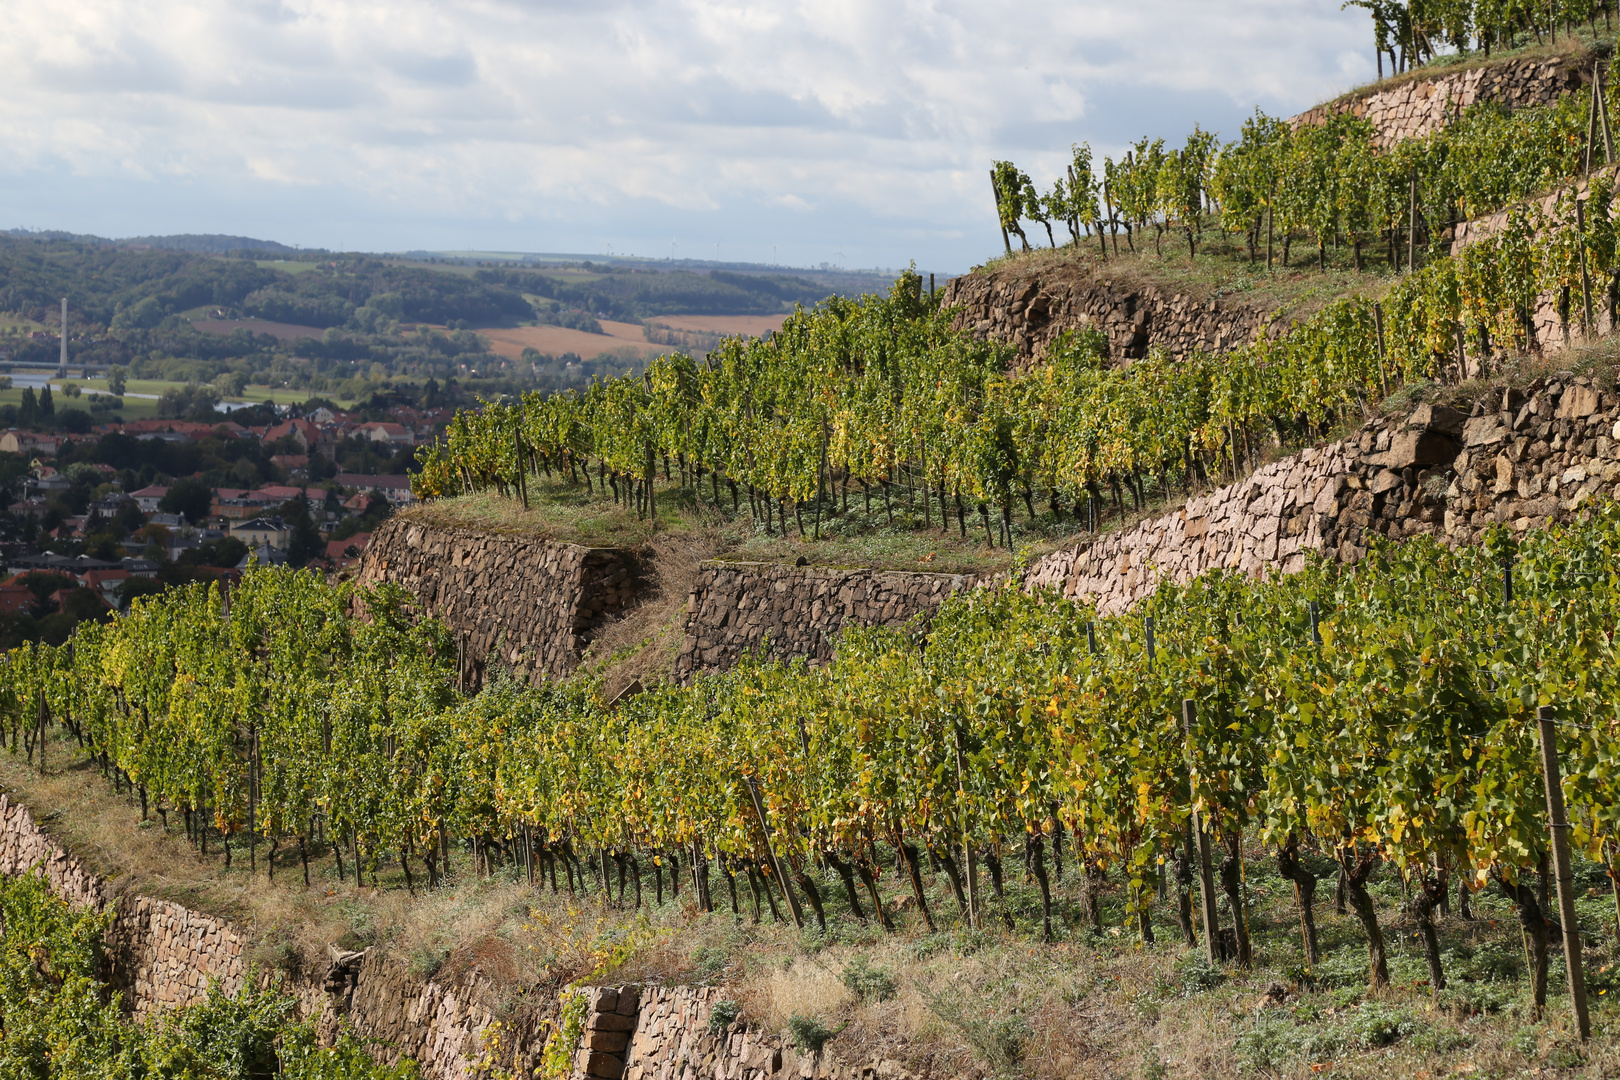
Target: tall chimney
point(62, 370)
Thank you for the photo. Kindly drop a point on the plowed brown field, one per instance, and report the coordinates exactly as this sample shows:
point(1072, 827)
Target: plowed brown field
point(556, 340)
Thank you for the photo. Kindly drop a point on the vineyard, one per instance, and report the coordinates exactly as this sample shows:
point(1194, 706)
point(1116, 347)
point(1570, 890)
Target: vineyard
point(1430, 735)
point(1327, 184)
point(58, 1020)
point(1382, 714)
point(882, 394)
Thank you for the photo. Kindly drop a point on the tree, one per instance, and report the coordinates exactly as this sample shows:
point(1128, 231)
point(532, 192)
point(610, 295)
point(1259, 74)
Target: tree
point(28, 411)
point(117, 379)
point(1383, 27)
point(47, 407)
point(134, 587)
point(305, 542)
point(191, 497)
point(1037, 208)
point(42, 584)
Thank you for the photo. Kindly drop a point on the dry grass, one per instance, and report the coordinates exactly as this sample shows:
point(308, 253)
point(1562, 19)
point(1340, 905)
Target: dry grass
point(643, 642)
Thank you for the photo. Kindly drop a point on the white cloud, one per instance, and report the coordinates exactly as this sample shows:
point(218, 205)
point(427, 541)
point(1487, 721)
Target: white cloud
point(566, 124)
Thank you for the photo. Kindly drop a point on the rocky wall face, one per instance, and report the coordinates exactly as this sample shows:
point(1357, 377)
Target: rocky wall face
point(1521, 458)
point(795, 611)
point(1028, 310)
point(667, 1033)
point(1419, 107)
point(452, 1030)
point(162, 956)
point(531, 603)
point(25, 846)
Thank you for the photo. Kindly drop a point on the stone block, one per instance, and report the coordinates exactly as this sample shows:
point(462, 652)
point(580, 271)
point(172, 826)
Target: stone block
point(1408, 449)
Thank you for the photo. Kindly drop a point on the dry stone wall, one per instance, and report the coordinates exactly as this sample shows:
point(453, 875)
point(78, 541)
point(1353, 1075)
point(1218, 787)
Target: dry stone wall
point(1421, 106)
point(24, 847)
point(454, 1030)
point(1028, 309)
point(531, 603)
point(735, 607)
point(1524, 458)
point(1556, 317)
point(162, 956)
point(1271, 519)
point(665, 1034)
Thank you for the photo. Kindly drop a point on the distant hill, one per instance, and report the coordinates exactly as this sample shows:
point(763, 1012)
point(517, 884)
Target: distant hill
point(207, 244)
point(193, 243)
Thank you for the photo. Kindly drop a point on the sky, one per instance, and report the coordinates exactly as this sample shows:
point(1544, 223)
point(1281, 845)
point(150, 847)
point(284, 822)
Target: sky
point(858, 134)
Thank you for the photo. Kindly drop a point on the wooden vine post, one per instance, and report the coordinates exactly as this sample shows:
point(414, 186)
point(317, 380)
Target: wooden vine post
point(39, 734)
point(770, 850)
point(522, 479)
point(1603, 108)
point(1206, 873)
point(1378, 327)
point(969, 858)
point(1590, 324)
point(1559, 827)
point(1411, 226)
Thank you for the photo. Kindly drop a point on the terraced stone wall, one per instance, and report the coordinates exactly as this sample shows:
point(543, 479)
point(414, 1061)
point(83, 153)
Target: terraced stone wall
point(1421, 106)
point(736, 607)
point(1029, 309)
point(528, 603)
point(1524, 458)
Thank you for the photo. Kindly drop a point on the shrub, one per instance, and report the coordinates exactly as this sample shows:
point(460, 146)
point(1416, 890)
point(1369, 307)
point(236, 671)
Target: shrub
point(723, 1015)
point(1198, 975)
point(808, 1033)
point(867, 982)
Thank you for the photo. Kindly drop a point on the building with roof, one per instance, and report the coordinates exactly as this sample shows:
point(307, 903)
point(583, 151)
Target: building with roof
point(31, 443)
point(259, 532)
point(15, 599)
point(387, 433)
point(306, 435)
point(396, 488)
point(149, 498)
point(344, 552)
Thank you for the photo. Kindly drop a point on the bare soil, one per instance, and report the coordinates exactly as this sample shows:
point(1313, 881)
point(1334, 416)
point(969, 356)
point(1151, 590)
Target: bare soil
point(510, 341)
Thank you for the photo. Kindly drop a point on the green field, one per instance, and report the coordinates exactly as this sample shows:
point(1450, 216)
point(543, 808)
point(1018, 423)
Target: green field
point(286, 266)
point(138, 408)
